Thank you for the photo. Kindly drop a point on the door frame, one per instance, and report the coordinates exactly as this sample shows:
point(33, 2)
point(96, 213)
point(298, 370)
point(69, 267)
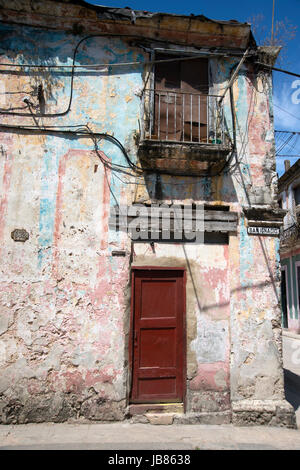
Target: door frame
point(131, 329)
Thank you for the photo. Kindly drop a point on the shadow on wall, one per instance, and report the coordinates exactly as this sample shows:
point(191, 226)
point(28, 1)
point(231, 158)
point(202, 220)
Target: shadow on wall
point(292, 388)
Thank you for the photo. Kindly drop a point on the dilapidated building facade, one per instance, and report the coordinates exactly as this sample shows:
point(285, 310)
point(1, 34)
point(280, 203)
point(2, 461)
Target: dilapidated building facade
point(107, 114)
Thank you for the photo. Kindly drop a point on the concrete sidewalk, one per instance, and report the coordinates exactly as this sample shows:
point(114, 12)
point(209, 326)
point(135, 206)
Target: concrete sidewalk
point(125, 435)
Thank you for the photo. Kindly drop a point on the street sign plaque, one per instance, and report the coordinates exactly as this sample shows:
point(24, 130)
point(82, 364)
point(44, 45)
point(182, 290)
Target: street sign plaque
point(271, 231)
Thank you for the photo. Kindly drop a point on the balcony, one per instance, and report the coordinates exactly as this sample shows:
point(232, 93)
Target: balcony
point(289, 236)
point(183, 133)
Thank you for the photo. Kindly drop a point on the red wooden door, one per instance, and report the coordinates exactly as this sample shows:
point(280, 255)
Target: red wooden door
point(158, 336)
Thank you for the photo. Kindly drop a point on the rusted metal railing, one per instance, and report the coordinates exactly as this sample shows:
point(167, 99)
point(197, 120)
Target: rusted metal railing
point(182, 117)
point(289, 235)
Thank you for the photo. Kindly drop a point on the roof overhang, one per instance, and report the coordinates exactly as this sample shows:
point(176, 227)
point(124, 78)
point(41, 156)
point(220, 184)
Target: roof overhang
point(84, 18)
point(292, 173)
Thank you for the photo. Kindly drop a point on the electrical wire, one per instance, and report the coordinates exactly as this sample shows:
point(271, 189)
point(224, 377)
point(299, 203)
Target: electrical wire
point(277, 131)
point(282, 109)
point(270, 67)
point(105, 64)
point(84, 130)
point(286, 140)
point(73, 67)
point(115, 141)
point(63, 113)
point(284, 143)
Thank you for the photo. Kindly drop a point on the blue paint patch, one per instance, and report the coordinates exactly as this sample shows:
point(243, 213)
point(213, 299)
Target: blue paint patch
point(246, 256)
point(245, 168)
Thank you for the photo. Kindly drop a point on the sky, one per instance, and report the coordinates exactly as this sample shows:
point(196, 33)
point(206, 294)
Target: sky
point(286, 89)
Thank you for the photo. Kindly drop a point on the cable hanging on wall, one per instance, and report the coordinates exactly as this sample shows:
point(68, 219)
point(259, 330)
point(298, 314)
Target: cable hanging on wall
point(286, 140)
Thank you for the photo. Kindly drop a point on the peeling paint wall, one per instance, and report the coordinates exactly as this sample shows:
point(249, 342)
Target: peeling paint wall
point(62, 293)
point(65, 300)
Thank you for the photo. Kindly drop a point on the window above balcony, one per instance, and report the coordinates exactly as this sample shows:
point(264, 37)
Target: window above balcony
point(183, 129)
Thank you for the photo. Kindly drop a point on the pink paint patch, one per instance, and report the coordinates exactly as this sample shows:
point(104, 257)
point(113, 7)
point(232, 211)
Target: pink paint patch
point(215, 293)
point(5, 185)
point(69, 382)
point(211, 376)
point(99, 376)
point(58, 213)
point(105, 203)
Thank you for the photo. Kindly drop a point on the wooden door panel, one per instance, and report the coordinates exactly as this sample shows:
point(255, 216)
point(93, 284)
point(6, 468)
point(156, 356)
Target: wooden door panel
point(157, 348)
point(149, 388)
point(153, 305)
point(158, 332)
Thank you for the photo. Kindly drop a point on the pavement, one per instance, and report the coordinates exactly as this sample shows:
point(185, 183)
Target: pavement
point(128, 436)
point(136, 437)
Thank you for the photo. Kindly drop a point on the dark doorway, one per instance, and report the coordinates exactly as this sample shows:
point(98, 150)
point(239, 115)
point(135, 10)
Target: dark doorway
point(284, 300)
point(181, 88)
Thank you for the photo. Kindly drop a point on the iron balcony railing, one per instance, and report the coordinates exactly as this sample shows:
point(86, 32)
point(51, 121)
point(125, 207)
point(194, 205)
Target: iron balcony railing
point(289, 235)
point(182, 117)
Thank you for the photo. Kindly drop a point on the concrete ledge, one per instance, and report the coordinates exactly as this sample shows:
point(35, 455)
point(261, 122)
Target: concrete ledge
point(210, 418)
point(263, 412)
point(291, 334)
point(213, 418)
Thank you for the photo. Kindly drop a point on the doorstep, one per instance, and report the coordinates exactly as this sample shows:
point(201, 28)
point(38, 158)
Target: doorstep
point(157, 408)
point(155, 413)
point(173, 413)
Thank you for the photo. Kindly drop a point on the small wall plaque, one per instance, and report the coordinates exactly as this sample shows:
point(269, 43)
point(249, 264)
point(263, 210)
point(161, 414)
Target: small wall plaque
point(19, 235)
point(118, 253)
point(271, 231)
